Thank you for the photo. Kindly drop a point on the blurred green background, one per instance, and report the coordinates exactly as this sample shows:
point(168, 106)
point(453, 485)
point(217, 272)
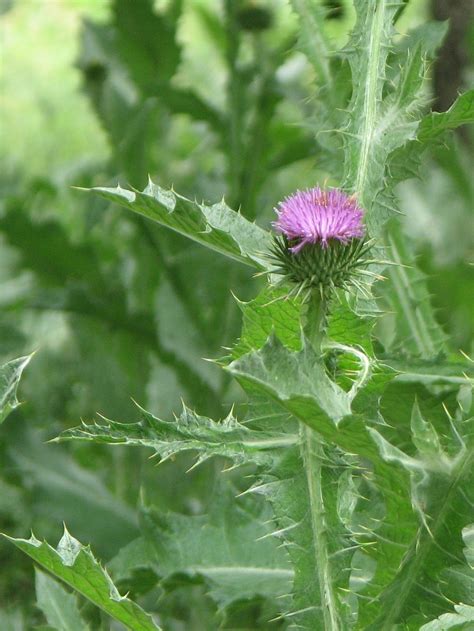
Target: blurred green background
point(214, 99)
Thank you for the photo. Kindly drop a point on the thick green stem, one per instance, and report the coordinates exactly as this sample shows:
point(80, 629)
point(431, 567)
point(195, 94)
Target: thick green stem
point(312, 453)
point(316, 320)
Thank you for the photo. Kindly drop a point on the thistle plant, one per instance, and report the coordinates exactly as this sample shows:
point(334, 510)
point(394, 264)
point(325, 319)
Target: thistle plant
point(357, 511)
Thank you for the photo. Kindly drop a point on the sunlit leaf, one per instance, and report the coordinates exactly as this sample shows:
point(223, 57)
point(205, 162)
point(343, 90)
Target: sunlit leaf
point(217, 227)
point(75, 564)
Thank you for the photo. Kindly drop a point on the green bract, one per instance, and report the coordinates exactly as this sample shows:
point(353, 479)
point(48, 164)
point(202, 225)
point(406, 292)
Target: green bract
point(318, 267)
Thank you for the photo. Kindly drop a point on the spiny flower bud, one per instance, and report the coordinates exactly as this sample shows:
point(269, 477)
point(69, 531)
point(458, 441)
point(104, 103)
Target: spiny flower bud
point(322, 239)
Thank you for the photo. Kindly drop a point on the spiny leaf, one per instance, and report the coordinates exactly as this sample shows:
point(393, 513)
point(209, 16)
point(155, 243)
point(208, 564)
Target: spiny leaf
point(429, 36)
point(441, 493)
point(188, 431)
point(435, 124)
point(417, 331)
point(230, 548)
point(405, 161)
point(270, 311)
point(75, 564)
point(366, 145)
point(10, 374)
point(425, 438)
point(286, 373)
point(217, 226)
point(452, 372)
point(302, 488)
point(288, 378)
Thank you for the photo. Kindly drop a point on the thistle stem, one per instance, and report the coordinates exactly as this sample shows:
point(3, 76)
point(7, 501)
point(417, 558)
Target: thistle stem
point(315, 327)
point(312, 453)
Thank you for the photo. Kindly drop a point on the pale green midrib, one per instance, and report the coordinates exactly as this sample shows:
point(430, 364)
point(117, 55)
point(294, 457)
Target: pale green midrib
point(270, 443)
point(401, 283)
point(369, 117)
point(421, 550)
point(311, 451)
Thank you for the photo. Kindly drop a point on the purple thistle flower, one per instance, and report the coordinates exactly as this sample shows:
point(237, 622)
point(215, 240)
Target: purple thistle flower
point(317, 216)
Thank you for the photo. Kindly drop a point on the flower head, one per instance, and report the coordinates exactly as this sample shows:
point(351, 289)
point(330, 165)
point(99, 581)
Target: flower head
point(317, 216)
point(322, 242)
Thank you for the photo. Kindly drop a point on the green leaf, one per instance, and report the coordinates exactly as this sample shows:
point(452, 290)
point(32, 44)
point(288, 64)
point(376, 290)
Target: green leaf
point(425, 437)
point(408, 301)
point(290, 380)
point(57, 604)
point(147, 42)
point(405, 161)
point(324, 546)
point(231, 549)
point(188, 431)
point(435, 124)
point(442, 495)
point(464, 616)
point(468, 537)
point(10, 374)
point(217, 226)
point(284, 374)
point(382, 146)
point(451, 372)
point(75, 564)
point(376, 124)
point(313, 41)
point(271, 311)
point(429, 35)
point(63, 490)
point(304, 494)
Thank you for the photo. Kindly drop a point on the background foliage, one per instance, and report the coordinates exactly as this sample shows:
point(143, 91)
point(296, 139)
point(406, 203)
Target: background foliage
point(193, 94)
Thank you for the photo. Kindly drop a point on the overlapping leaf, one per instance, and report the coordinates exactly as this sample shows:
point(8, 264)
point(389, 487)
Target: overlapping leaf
point(230, 548)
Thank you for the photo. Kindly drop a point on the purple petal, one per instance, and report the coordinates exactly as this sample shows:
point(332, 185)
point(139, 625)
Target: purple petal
point(317, 216)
